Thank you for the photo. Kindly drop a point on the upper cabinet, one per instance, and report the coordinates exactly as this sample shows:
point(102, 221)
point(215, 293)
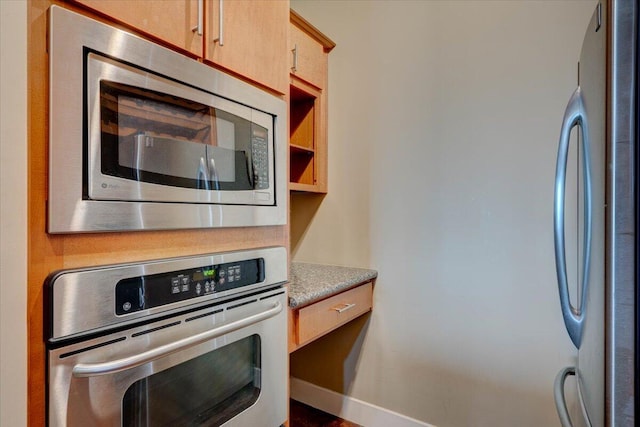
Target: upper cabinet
point(309, 50)
point(247, 38)
point(250, 38)
point(173, 21)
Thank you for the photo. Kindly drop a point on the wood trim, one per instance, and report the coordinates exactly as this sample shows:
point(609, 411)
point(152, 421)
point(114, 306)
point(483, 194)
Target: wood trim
point(305, 86)
point(293, 330)
point(306, 26)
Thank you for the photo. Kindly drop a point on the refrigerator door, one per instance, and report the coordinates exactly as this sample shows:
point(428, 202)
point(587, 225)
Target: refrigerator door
point(586, 184)
point(590, 369)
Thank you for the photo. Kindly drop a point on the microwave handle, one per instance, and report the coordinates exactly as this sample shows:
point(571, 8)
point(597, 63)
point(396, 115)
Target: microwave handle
point(84, 370)
point(213, 173)
point(203, 175)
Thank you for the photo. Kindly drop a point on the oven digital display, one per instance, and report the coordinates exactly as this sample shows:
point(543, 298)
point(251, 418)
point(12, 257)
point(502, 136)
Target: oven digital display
point(144, 292)
point(204, 273)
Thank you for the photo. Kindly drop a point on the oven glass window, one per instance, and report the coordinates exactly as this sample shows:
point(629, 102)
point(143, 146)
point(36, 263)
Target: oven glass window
point(162, 139)
point(208, 390)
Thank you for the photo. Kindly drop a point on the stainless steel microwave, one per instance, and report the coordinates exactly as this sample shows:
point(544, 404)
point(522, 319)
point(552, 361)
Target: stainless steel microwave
point(144, 138)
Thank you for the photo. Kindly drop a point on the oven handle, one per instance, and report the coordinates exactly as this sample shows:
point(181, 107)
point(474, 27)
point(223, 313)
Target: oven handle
point(83, 370)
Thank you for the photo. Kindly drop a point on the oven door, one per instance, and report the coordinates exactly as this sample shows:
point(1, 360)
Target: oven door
point(218, 365)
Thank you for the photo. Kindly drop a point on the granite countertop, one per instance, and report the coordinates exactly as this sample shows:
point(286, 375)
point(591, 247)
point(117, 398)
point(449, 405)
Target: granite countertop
point(311, 282)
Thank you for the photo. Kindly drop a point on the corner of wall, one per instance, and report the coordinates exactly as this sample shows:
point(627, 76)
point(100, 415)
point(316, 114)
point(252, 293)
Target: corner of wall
point(13, 208)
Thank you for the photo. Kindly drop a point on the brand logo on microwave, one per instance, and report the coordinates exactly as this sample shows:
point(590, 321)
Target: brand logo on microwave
point(106, 186)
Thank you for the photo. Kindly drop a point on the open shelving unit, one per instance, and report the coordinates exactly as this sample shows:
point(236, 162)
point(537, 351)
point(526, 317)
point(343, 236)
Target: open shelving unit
point(307, 107)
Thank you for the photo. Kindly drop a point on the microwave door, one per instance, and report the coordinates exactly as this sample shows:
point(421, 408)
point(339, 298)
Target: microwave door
point(148, 135)
point(165, 161)
point(222, 165)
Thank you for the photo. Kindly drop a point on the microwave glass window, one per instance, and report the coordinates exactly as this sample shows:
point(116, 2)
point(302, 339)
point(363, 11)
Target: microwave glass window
point(207, 390)
point(158, 138)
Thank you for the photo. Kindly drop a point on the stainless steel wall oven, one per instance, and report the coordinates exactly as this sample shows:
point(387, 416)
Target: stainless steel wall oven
point(176, 342)
point(142, 137)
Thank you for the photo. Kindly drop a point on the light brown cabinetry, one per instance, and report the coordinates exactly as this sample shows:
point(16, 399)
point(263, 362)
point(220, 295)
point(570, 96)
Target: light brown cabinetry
point(173, 21)
point(247, 38)
point(308, 106)
point(312, 321)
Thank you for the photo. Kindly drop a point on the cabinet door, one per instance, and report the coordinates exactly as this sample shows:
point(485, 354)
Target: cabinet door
point(309, 60)
point(172, 21)
point(250, 39)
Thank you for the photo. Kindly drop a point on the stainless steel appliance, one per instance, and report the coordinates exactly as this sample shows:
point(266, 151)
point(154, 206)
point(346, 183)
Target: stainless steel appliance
point(186, 341)
point(142, 137)
point(595, 205)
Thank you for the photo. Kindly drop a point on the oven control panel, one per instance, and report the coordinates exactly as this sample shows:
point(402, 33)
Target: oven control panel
point(145, 292)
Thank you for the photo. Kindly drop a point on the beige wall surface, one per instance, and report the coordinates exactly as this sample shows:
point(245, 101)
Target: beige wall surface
point(13, 209)
point(443, 123)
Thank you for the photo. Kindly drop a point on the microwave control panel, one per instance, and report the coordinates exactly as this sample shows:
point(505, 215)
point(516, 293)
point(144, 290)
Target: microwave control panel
point(260, 157)
point(145, 292)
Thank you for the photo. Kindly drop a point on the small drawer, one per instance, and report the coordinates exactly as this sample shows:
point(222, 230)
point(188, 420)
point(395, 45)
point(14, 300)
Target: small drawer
point(326, 315)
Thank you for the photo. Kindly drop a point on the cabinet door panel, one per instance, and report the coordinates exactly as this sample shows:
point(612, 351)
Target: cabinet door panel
point(170, 20)
point(310, 62)
point(254, 35)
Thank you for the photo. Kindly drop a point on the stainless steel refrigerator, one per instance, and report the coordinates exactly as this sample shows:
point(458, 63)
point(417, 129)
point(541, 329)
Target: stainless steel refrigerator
point(595, 223)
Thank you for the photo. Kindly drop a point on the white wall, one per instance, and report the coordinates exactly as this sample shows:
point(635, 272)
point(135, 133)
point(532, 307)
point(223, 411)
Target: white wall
point(443, 124)
point(13, 212)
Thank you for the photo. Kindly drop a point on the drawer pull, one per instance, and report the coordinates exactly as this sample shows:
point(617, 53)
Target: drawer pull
point(343, 307)
point(220, 39)
point(294, 68)
point(198, 28)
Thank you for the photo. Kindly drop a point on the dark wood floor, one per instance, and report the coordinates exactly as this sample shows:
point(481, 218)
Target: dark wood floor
point(302, 415)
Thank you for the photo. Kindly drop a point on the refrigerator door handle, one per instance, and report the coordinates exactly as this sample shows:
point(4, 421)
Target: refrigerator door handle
point(558, 395)
point(574, 115)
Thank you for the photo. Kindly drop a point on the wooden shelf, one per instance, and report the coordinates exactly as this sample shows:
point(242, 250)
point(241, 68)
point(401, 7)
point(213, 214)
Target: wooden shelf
point(304, 120)
point(301, 150)
point(307, 188)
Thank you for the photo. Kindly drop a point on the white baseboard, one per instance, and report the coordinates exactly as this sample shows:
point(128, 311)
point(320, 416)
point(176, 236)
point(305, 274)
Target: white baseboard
point(349, 408)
